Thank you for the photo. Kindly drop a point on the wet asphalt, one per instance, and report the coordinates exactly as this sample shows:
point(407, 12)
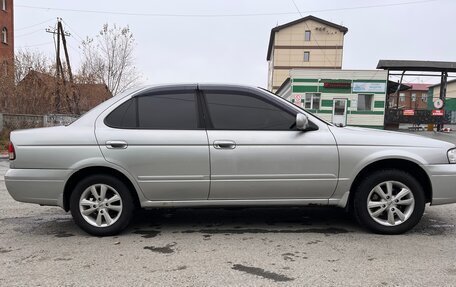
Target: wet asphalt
point(41, 246)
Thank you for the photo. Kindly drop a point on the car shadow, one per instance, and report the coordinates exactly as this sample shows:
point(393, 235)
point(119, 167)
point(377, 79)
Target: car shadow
point(227, 221)
point(244, 220)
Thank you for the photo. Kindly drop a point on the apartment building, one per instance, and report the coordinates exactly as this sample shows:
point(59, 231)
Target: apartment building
point(307, 43)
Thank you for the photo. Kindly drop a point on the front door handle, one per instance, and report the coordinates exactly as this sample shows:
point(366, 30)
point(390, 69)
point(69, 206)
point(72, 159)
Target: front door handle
point(116, 144)
point(225, 144)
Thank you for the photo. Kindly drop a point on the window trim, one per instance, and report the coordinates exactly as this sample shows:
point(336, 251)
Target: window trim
point(311, 100)
point(424, 97)
point(210, 125)
point(200, 121)
point(4, 5)
point(372, 96)
point(308, 56)
point(305, 35)
point(4, 35)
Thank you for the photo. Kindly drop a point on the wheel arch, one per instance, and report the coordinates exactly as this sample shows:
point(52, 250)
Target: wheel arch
point(393, 163)
point(92, 170)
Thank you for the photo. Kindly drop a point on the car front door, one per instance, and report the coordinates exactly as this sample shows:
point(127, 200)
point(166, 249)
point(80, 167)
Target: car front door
point(159, 138)
point(257, 153)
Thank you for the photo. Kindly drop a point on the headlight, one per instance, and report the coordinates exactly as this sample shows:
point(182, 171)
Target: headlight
point(452, 155)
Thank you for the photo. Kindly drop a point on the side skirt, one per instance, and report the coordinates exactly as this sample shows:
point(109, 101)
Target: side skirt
point(231, 202)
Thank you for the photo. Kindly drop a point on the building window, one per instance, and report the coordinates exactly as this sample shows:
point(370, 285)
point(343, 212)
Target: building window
point(424, 97)
point(312, 101)
point(402, 97)
point(307, 35)
point(413, 97)
point(4, 5)
point(306, 56)
point(365, 102)
point(4, 35)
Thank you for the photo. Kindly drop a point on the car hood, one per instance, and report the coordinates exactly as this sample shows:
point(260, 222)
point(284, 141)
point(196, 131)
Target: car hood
point(365, 136)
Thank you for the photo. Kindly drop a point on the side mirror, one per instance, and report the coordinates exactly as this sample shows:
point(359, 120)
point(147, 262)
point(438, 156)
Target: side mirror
point(302, 122)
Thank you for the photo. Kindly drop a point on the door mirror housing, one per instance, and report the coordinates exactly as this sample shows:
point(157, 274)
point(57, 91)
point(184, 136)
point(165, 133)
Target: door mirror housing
point(302, 122)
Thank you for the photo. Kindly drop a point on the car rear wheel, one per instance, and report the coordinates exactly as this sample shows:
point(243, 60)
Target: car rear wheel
point(101, 205)
point(389, 201)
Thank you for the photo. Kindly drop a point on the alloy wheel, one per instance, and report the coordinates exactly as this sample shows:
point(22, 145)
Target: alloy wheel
point(100, 205)
point(390, 203)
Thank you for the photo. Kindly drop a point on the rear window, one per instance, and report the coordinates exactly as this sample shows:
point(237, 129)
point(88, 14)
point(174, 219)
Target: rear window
point(124, 116)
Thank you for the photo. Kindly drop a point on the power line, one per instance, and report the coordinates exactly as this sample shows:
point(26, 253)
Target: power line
point(36, 45)
point(34, 25)
point(296, 6)
point(314, 38)
point(73, 30)
point(26, 34)
point(225, 15)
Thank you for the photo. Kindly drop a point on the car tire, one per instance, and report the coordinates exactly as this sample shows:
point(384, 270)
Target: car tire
point(389, 201)
point(102, 205)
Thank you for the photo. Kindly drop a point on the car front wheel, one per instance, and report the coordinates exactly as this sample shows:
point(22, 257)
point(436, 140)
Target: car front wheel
point(389, 201)
point(101, 205)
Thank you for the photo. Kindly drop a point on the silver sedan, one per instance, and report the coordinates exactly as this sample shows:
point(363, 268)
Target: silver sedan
point(224, 145)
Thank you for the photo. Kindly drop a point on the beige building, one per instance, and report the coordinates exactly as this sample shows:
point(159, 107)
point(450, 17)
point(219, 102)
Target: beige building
point(309, 43)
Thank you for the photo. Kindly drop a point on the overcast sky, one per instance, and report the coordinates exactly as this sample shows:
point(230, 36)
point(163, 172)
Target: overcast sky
point(232, 49)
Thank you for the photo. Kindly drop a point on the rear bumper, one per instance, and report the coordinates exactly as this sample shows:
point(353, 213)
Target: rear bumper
point(41, 186)
point(443, 180)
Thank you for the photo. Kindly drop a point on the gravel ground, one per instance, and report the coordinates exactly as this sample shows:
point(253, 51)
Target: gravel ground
point(41, 246)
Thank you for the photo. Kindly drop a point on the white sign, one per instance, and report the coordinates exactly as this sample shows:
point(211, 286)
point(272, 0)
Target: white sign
point(438, 103)
point(297, 100)
point(353, 105)
point(366, 87)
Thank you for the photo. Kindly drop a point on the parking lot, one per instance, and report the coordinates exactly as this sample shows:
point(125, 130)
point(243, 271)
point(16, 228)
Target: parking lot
point(41, 246)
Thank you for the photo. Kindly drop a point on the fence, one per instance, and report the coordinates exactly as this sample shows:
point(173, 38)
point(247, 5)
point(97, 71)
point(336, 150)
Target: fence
point(20, 121)
point(419, 117)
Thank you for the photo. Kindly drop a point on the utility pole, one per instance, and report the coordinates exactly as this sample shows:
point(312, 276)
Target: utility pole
point(73, 105)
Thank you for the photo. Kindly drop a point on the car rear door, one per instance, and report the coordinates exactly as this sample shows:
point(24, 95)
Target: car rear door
point(159, 138)
point(256, 153)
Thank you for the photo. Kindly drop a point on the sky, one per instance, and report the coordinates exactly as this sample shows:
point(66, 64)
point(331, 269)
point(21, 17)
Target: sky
point(226, 41)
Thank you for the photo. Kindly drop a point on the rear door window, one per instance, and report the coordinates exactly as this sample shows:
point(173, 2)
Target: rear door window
point(168, 111)
point(172, 111)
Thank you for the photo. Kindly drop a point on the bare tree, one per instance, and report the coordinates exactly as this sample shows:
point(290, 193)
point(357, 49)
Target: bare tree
point(108, 58)
point(27, 60)
point(15, 98)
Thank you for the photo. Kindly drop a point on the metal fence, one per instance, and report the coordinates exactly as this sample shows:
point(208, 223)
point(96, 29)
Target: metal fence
point(419, 117)
point(451, 117)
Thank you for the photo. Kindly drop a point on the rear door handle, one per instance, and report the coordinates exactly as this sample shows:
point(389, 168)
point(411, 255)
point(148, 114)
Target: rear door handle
point(116, 144)
point(225, 144)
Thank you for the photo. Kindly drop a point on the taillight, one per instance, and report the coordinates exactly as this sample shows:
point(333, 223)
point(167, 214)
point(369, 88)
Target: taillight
point(11, 152)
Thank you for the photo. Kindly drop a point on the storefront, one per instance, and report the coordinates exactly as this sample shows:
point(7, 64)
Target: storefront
point(346, 97)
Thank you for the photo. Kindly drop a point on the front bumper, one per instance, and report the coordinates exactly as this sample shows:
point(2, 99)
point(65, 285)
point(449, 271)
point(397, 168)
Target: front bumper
point(443, 181)
point(41, 186)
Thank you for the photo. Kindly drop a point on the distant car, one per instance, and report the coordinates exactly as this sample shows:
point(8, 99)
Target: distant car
point(224, 145)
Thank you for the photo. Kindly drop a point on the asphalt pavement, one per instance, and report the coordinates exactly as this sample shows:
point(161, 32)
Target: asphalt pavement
point(41, 246)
